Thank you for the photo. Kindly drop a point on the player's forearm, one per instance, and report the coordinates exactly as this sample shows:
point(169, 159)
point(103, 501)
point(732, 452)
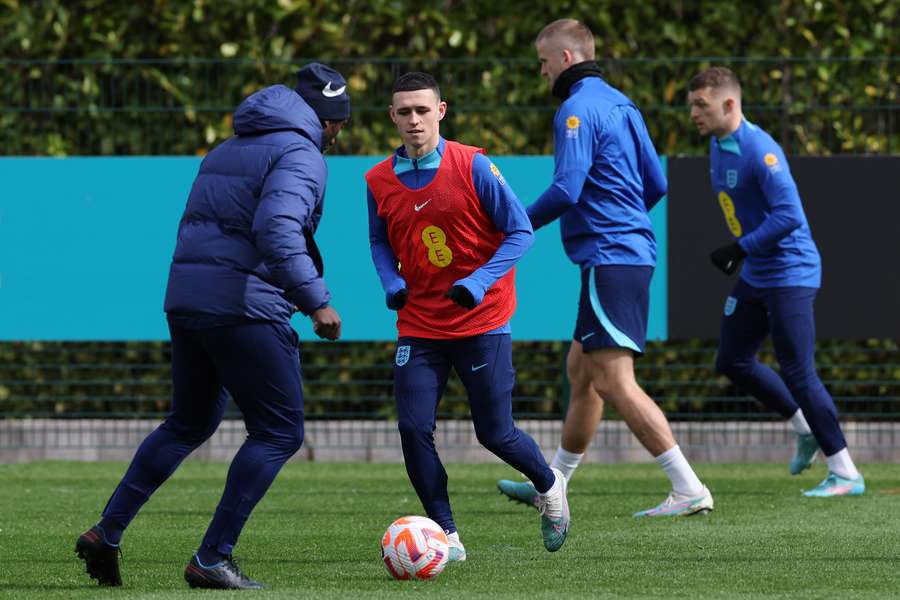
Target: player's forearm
point(513, 247)
point(386, 266)
point(771, 231)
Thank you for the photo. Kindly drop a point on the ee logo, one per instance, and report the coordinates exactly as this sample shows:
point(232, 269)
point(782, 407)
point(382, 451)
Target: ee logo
point(730, 218)
point(439, 254)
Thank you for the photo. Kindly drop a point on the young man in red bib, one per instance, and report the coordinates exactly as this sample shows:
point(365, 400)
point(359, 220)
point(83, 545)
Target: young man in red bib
point(446, 231)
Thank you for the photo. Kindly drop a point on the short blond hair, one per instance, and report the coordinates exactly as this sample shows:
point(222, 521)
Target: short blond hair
point(569, 34)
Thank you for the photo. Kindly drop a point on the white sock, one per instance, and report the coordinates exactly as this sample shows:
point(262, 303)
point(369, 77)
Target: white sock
point(453, 538)
point(679, 471)
point(798, 422)
point(842, 465)
point(553, 510)
point(566, 462)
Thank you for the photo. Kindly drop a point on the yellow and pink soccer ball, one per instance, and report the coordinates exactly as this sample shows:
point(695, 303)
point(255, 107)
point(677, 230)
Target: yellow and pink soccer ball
point(414, 548)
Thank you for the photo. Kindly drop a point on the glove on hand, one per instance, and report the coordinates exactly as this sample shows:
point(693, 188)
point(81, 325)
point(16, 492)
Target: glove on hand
point(398, 300)
point(462, 296)
point(728, 258)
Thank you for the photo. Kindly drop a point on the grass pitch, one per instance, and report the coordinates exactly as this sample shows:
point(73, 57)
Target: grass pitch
point(317, 533)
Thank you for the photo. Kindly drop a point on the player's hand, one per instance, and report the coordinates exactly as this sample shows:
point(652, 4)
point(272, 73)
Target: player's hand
point(462, 296)
point(326, 323)
point(398, 300)
point(728, 258)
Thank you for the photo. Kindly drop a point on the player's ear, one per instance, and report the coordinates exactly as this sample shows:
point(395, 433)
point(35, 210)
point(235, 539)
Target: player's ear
point(391, 113)
point(728, 105)
point(442, 109)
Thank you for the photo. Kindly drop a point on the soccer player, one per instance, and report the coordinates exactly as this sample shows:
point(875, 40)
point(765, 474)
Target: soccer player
point(607, 177)
point(245, 261)
point(445, 231)
point(778, 282)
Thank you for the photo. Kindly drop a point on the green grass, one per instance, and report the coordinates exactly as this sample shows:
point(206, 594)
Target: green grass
point(316, 535)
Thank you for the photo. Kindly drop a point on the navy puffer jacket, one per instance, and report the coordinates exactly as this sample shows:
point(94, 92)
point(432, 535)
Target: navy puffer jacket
point(245, 246)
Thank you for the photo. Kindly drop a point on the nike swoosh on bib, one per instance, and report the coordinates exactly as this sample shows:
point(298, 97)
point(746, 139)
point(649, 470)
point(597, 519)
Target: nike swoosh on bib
point(419, 207)
point(328, 92)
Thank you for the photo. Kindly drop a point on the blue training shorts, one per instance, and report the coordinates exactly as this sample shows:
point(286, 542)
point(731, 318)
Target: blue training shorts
point(613, 307)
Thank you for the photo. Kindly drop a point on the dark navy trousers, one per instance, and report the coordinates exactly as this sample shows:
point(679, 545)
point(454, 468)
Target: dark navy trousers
point(484, 364)
point(258, 363)
point(751, 314)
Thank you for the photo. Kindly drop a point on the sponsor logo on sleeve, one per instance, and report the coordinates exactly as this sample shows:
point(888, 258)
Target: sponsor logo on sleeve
point(572, 125)
point(497, 174)
point(772, 162)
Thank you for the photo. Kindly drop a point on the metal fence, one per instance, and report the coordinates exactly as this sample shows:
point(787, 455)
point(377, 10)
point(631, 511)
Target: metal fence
point(98, 400)
point(183, 107)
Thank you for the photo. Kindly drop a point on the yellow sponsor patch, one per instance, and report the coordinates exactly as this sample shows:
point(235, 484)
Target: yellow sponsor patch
point(727, 205)
point(497, 174)
point(573, 122)
point(770, 159)
point(439, 254)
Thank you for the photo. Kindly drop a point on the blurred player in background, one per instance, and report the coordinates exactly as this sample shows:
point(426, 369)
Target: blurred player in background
point(607, 177)
point(245, 261)
point(445, 232)
point(777, 284)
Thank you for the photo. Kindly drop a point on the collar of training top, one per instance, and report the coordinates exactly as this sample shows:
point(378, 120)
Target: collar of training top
point(576, 72)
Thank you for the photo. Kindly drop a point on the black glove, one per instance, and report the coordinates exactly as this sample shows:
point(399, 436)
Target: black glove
point(398, 300)
point(728, 258)
point(462, 296)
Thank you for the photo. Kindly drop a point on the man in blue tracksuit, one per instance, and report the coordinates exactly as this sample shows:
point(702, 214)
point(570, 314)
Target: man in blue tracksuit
point(607, 177)
point(245, 261)
point(778, 282)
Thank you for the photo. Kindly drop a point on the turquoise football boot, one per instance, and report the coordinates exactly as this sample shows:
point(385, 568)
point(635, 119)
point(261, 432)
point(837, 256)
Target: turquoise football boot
point(555, 518)
point(807, 447)
point(680, 505)
point(520, 491)
point(837, 486)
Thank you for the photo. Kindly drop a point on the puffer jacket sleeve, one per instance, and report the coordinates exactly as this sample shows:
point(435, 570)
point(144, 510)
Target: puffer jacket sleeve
point(288, 204)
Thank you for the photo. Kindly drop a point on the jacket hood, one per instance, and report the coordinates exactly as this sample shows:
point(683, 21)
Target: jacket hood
point(274, 108)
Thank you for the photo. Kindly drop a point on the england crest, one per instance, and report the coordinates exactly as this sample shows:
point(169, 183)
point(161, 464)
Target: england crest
point(402, 355)
point(731, 177)
point(730, 305)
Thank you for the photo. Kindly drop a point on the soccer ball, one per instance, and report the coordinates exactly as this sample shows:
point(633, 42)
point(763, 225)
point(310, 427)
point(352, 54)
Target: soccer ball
point(414, 548)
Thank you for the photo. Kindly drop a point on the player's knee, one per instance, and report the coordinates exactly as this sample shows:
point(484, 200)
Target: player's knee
point(410, 429)
point(732, 366)
point(288, 440)
point(192, 433)
point(493, 439)
point(799, 375)
point(612, 383)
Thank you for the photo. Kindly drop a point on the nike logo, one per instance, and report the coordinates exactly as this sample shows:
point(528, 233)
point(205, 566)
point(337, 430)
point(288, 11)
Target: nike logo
point(587, 335)
point(328, 92)
point(419, 207)
point(474, 368)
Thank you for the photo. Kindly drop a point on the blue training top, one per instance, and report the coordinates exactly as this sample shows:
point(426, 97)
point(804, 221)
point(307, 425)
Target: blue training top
point(762, 208)
point(498, 201)
point(607, 176)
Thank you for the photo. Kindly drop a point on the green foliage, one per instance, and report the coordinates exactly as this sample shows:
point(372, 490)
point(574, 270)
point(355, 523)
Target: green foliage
point(354, 379)
point(108, 77)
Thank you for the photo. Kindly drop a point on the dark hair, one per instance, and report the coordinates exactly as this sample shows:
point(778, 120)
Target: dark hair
point(414, 81)
point(714, 77)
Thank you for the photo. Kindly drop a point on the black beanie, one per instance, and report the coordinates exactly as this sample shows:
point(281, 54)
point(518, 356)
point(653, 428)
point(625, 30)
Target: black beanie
point(325, 90)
